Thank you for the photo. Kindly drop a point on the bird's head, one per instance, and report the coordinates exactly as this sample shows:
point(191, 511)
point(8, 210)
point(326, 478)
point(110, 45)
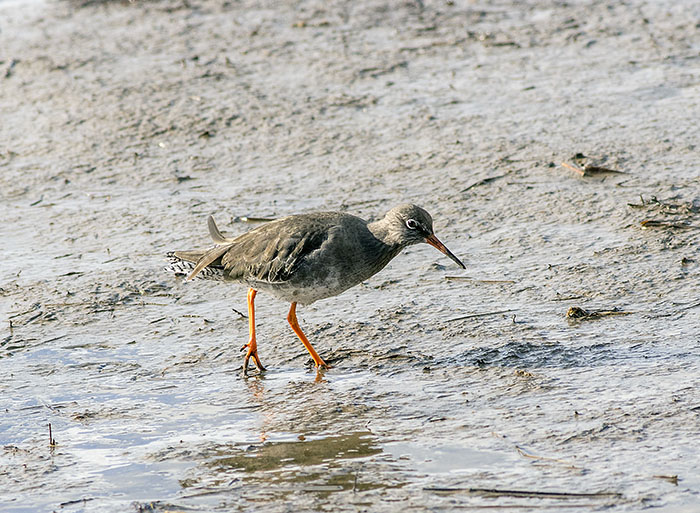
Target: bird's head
point(410, 224)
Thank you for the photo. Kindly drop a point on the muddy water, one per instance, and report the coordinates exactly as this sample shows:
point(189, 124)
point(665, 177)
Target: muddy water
point(122, 126)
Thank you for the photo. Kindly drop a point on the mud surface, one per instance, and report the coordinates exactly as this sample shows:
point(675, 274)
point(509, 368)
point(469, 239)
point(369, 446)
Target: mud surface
point(122, 126)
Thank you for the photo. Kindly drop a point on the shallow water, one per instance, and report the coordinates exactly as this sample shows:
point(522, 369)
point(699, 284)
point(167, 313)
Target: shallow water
point(196, 434)
point(450, 389)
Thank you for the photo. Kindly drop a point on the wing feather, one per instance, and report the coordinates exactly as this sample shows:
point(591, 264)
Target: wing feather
point(206, 259)
point(271, 253)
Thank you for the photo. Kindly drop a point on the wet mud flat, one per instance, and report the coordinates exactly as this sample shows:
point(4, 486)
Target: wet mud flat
point(555, 146)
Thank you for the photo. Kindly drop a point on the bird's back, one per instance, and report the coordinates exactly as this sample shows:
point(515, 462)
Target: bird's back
point(273, 252)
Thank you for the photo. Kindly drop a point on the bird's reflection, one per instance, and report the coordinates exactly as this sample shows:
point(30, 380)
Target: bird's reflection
point(259, 386)
point(256, 387)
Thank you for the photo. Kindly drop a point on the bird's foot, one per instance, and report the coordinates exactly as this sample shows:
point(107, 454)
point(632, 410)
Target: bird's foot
point(320, 365)
point(252, 351)
point(321, 369)
point(256, 361)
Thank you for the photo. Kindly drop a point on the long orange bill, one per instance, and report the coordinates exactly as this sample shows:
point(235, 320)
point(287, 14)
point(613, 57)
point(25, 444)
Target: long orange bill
point(435, 242)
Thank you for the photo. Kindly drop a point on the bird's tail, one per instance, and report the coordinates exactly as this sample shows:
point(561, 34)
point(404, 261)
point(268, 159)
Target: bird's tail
point(201, 263)
point(182, 263)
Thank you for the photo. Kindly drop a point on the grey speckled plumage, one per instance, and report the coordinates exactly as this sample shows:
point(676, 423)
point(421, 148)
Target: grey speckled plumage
point(307, 257)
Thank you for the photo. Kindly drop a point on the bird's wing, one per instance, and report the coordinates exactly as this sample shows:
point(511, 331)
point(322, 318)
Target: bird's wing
point(272, 252)
point(192, 255)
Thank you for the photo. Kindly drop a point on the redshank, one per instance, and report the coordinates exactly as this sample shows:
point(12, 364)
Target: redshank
point(306, 257)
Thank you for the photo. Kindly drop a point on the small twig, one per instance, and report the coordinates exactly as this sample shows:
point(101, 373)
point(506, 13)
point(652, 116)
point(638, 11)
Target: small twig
point(485, 181)
point(493, 492)
point(689, 307)
point(589, 170)
point(580, 314)
point(54, 339)
point(659, 223)
point(34, 307)
point(473, 316)
point(52, 440)
point(465, 278)
point(203, 493)
point(34, 318)
point(240, 313)
point(640, 205)
point(76, 501)
point(248, 219)
point(566, 298)
point(671, 479)
point(8, 68)
point(573, 168)
point(525, 454)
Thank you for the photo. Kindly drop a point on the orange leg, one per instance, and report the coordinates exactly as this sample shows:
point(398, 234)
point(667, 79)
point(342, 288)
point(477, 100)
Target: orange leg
point(252, 344)
point(292, 319)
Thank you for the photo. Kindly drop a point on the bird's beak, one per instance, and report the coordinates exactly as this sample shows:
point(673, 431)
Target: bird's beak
point(435, 242)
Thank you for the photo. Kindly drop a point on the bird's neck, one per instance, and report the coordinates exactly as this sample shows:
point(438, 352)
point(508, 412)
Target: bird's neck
point(386, 247)
point(380, 230)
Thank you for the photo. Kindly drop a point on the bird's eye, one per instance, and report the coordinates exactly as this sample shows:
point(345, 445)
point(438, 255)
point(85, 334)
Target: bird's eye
point(412, 224)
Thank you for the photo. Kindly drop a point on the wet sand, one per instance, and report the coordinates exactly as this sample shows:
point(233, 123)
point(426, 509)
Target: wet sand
point(123, 126)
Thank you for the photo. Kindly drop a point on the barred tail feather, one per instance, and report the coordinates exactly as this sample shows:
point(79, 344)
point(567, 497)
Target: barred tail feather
point(207, 258)
point(182, 268)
